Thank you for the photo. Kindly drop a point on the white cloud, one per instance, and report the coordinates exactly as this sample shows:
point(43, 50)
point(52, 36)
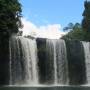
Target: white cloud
point(51, 31)
point(28, 27)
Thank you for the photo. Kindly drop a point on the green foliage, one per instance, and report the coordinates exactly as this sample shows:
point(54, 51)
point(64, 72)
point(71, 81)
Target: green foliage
point(86, 16)
point(76, 33)
point(69, 27)
point(10, 14)
point(86, 20)
point(80, 31)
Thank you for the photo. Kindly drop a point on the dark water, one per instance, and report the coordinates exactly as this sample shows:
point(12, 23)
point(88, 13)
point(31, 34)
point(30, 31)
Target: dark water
point(44, 88)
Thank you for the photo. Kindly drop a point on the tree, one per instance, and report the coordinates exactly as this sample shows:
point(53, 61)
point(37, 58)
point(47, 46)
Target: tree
point(68, 27)
point(80, 31)
point(86, 20)
point(76, 33)
point(86, 16)
point(10, 15)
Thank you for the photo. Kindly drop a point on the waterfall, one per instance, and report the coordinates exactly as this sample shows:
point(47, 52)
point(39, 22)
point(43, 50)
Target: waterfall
point(57, 59)
point(62, 63)
point(23, 61)
point(86, 46)
point(48, 61)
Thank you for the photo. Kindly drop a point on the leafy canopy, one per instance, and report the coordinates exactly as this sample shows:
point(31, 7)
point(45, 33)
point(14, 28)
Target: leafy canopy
point(75, 33)
point(80, 31)
point(10, 15)
point(86, 17)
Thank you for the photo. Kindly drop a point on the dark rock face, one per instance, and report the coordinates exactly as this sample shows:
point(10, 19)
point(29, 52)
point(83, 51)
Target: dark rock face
point(4, 60)
point(76, 63)
point(41, 45)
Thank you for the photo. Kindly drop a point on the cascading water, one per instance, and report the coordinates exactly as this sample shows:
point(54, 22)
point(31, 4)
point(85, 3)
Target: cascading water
point(23, 61)
point(46, 61)
point(57, 58)
point(86, 46)
point(62, 63)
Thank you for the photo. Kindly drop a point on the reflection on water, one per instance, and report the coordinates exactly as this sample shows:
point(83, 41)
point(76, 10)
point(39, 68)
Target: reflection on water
point(45, 88)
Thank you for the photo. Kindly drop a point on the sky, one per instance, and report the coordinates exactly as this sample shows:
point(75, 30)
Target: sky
point(46, 18)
